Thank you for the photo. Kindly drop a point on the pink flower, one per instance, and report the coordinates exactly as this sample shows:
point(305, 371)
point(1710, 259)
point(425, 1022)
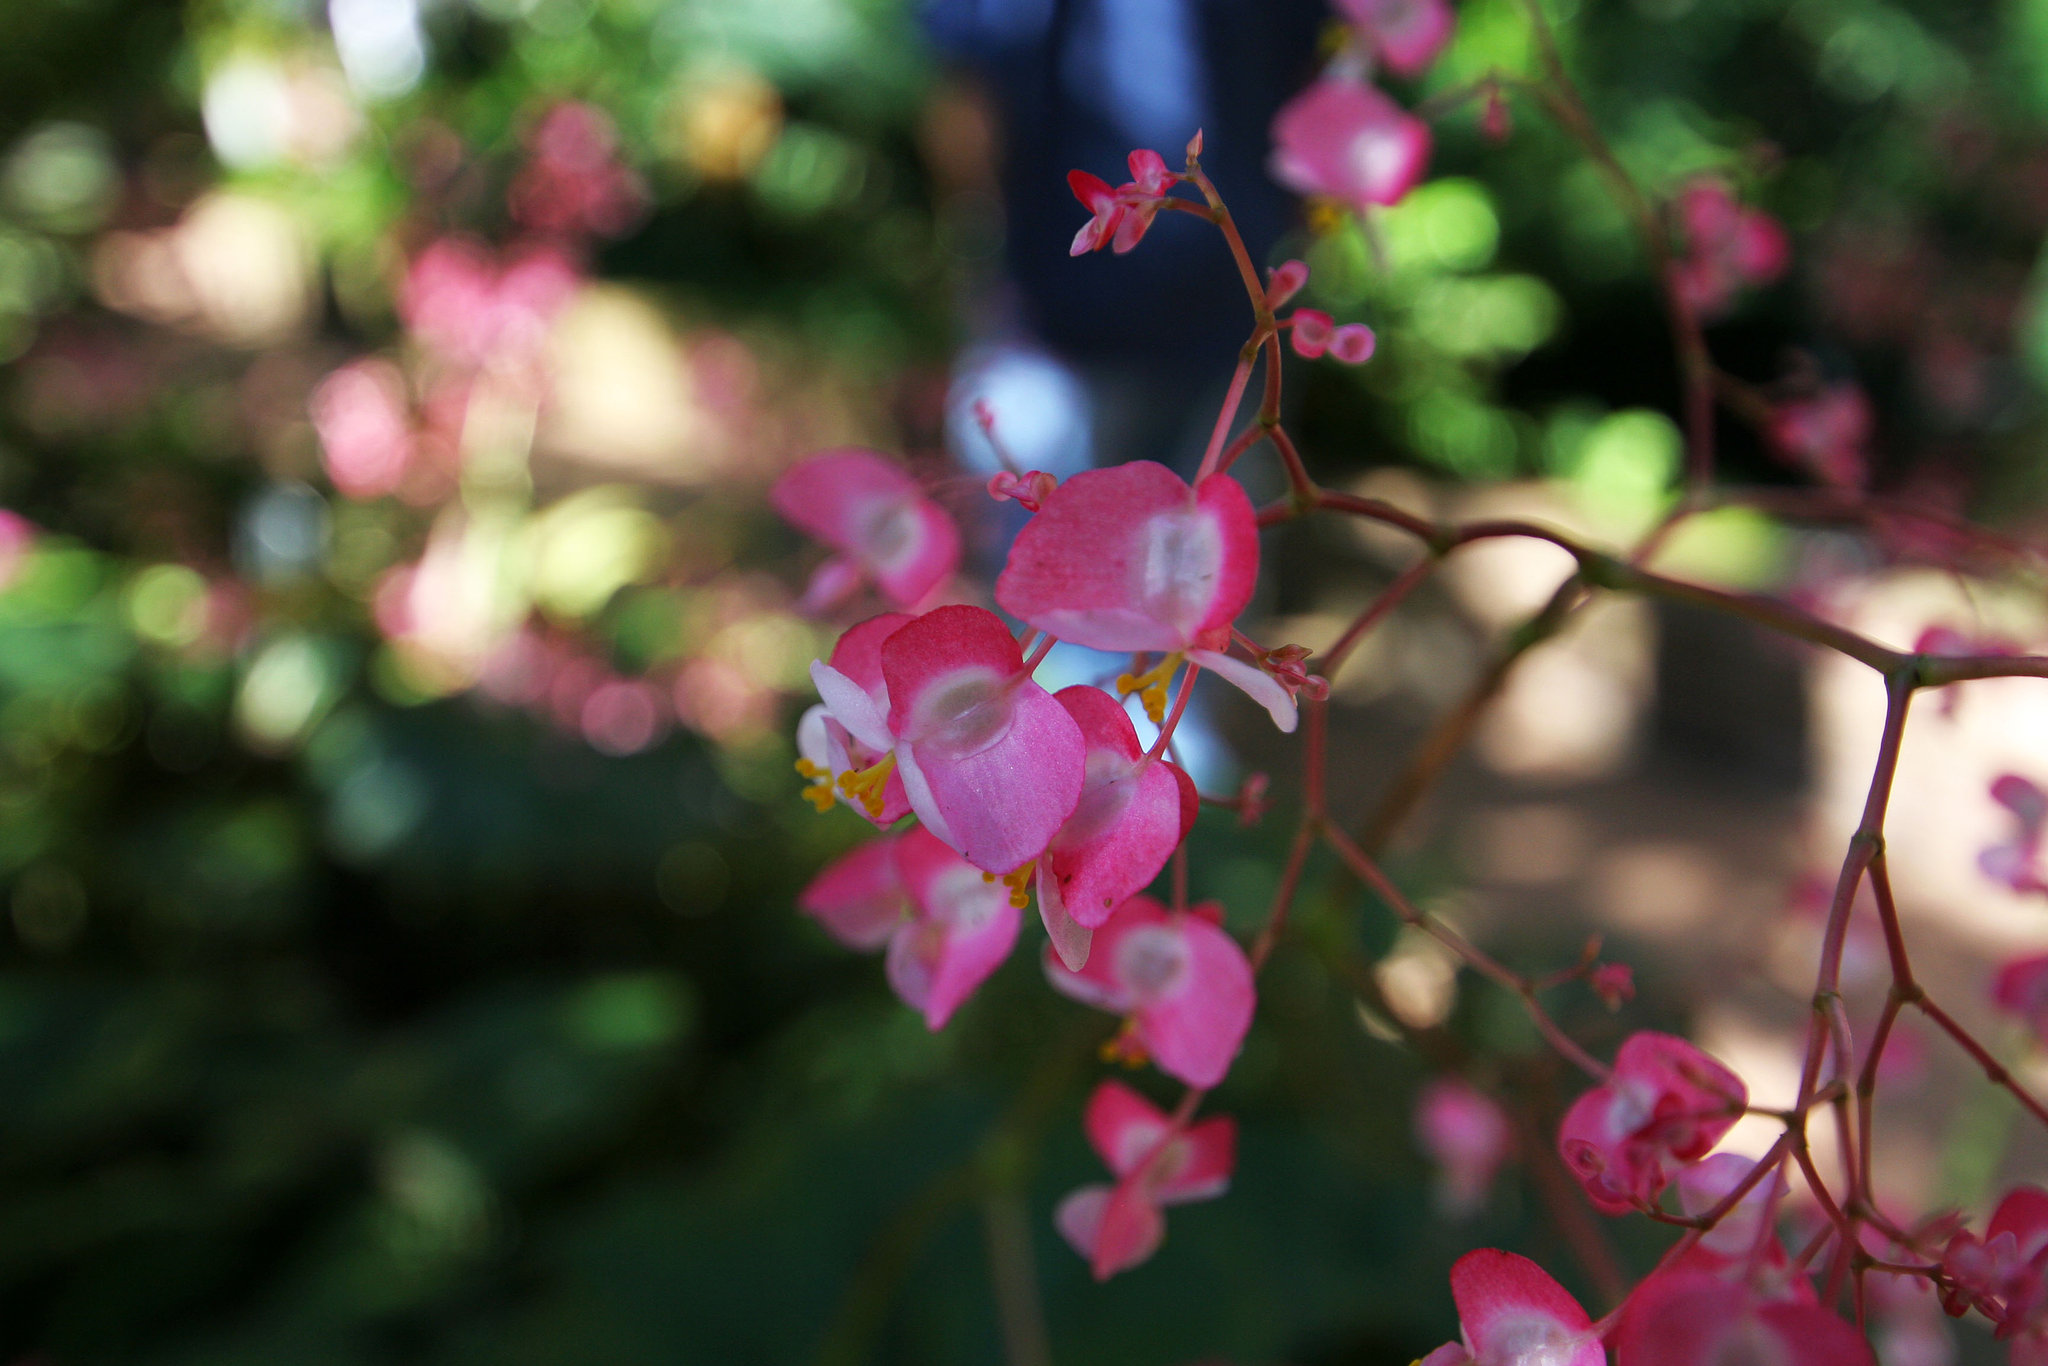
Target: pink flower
point(1614, 984)
point(1133, 813)
point(990, 763)
point(1120, 216)
point(829, 751)
point(476, 312)
point(1666, 1104)
point(1727, 248)
point(1694, 1318)
point(1467, 1136)
point(366, 441)
point(1511, 1313)
point(2004, 1275)
point(2016, 863)
point(1131, 558)
point(946, 926)
point(1156, 1165)
point(2021, 988)
point(573, 181)
point(1727, 1247)
point(1184, 984)
point(1029, 490)
point(879, 521)
point(1827, 435)
point(1407, 35)
point(1285, 281)
point(1315, 333)
point(1345, 139)
point(17, 538)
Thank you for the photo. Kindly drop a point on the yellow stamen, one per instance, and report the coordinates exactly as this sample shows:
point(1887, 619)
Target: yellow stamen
point(865, 785)
point(818, 792)
point(1125, 1048)
point(1151, 686)
point(1019, 883)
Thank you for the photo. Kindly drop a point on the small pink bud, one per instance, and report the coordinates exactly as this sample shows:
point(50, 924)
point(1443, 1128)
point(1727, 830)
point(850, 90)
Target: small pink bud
point(1252, 800)
point(1312, 330)
point(1495, 124)
point(1195, 146)
point(1030, 489)
point(1353, 343)
point(1284, 282)
point(985, 417)
point(1614, 983)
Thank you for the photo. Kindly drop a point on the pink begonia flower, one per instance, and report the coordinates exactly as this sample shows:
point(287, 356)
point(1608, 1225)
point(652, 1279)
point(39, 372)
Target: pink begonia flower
point(1694, 1318)
point(1467, 1135)
point(990, 763)
point(1028, 490)
point(877, 518)
point(574, 181)
point(1133, 813)
point(1315, 332)
point(1666, 1104)
point(17, 538)
point(946, 926)
point(1406, 35)
point(2021, 988)
point(1120, 217)
point(1117, 1227)
point(1511, 1313)
point(1739, 1247)
point(2016, 862)
point(1131, 559)
point(829, 751)
point(1182, 982)
point(476, 312)
point(1345, 139)
point(1727, 248)
point(1285, 281)
point(362, 417)
point(1827, 435)
point(2004, 1275)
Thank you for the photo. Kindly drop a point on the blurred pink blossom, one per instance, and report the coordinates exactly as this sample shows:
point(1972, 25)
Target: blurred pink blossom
point(1406, 35)
point(1155, 1164)
point(1727, 248)
point(1467, 1135)
point(1345, 139)
point(363, 418)
point(17, 538)
point(1827, 435)
point(573, 181)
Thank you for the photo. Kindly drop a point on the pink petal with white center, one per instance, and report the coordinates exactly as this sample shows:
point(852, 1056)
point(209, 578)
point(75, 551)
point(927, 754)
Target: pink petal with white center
point(1130, 558)
point(1514, 1314)
point(1197, 1164)
point(1179, 976)
point(990, 762)
point(2024, 1214)
point(1691, 1318)
point(1123, 1127)
point(1127, 823)
point(859, 898)
point(861, 504)
point(1255, 683)
point(1345, 139)
point(962, 929)
point(1115, 1228)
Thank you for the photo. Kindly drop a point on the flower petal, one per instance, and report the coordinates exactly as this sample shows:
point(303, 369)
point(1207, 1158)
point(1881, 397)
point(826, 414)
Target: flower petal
point(1255, 683)
point(1514, 1314)
point(1122, 1126)
point(860, 897)
point(851, 707)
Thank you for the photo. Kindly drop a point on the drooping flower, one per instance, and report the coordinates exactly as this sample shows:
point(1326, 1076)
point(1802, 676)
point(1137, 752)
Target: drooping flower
point(1666, 1104)
point(2016, 863)
point(1345, 139)
point(1120, 216)
point(1132, 814)
point(1827, 435)
point(1695, 1318)
point(1406, 35)
point(877, 518)
point(1727, 248)
point(829, 751)
point(1511, 1313)
point(946, 927)
point(1131, 559)
point(1467, 1135)
point(1155, 1165)
point(1182, 983)
point(990, 763)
